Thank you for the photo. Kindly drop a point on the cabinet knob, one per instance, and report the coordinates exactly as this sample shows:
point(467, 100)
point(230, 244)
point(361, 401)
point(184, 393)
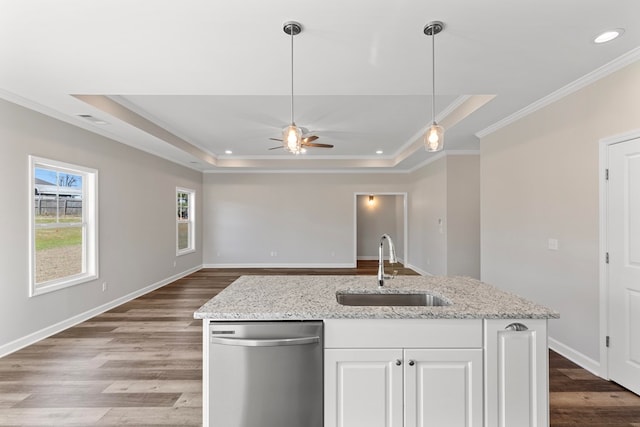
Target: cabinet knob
point(398, 362)
point(516, 327)
point(411, 362)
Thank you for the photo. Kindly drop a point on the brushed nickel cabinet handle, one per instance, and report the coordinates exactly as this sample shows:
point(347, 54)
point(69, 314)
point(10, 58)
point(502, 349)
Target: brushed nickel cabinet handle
point(516, 327)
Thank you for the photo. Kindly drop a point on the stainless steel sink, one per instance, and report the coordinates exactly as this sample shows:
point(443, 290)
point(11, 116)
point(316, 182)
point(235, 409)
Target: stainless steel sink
point(389, 299)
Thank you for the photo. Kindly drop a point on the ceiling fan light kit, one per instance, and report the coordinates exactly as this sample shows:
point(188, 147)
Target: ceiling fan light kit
point(434, 138)
point(292, 138)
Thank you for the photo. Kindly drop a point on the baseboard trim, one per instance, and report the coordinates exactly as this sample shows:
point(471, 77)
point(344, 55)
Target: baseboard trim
point(72, 321)
point(576, 357)
point(418, 270)
point(275, 265)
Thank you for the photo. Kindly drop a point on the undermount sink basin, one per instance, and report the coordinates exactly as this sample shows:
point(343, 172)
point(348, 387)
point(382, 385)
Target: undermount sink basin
point(388, 299)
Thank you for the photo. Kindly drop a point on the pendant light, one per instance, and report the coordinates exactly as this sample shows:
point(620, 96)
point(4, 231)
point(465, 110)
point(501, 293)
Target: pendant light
point(292, 135)
point(434, 138)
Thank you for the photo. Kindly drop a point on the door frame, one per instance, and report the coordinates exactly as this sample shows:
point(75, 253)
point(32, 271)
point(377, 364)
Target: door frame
point(405, 220)
point(603, 164)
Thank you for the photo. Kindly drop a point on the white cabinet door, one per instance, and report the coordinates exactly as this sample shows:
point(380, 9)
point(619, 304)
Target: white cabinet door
point(443, 388)
point(363, 388)
point(516, 373)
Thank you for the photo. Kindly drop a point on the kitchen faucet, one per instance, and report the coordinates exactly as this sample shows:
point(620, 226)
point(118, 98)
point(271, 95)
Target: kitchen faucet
point(392, 259)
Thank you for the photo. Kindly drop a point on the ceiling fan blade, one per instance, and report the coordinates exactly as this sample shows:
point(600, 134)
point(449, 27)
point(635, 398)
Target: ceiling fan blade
point(311, 144)
point(309, 138)
point(275, 148)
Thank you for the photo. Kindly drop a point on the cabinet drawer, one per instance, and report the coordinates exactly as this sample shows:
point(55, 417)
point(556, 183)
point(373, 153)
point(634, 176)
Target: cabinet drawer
point(403, 333)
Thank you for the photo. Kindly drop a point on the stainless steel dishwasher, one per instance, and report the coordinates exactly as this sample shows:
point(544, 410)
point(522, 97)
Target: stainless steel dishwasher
point(265, 374)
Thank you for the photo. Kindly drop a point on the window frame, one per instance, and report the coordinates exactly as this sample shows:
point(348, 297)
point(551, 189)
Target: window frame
point(89, 225)
point(191, 246)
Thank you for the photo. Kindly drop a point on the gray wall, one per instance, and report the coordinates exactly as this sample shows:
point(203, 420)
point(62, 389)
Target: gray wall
point(444, 207)
point(303, 219)
point(136, 221)
point(428, 206)
point(539, 180)
point(463, 216)
point(309, 219)
point(386, 215)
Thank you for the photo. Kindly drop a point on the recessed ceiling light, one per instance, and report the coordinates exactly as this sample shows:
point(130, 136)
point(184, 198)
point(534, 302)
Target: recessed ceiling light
point(608, 35)
point(228, 152)
point(379, 152)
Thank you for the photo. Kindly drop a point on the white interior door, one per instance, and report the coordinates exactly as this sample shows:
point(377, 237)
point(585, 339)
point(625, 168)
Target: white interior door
point(623, 231)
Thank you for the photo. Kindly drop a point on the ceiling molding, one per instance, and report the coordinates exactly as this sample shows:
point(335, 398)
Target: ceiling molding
point(431, 159)
point(307, 171)
point(123, 113)
point(442, 155)
point(605, 70)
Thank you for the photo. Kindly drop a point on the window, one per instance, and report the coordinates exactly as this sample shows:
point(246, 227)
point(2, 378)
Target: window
point(63, 225)
point(185, 227)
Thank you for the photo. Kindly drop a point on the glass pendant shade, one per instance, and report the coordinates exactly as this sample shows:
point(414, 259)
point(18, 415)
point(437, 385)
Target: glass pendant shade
point(434, 138)
point(292, 137)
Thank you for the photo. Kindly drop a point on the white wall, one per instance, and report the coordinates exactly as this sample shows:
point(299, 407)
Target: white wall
point(136, 222)
point(385, 215)
point(539, 180)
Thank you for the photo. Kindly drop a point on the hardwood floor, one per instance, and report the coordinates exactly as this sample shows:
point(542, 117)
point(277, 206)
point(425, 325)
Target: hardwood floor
point(140, 365)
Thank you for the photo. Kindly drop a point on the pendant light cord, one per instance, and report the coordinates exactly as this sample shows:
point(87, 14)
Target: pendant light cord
point(433, 75)
point(291, 32)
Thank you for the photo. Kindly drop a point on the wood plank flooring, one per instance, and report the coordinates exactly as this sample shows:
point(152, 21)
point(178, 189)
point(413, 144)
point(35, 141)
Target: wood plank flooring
point(140, 364)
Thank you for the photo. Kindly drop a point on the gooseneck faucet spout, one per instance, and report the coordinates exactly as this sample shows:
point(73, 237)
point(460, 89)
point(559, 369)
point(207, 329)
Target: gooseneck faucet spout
point(392, 258)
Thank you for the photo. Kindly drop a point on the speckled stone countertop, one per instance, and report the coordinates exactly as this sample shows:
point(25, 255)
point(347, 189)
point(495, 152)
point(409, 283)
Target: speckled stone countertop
point(314, 297)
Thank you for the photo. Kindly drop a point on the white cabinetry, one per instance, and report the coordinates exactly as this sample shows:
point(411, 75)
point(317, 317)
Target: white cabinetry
point(516, 373)
point(443, 387)
point(403, 373)
point(363, 387)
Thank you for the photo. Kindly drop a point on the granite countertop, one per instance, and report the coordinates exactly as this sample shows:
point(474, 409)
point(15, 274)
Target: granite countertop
point(314, 297)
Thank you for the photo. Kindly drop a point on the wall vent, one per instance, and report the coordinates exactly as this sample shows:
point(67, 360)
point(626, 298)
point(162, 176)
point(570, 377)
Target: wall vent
point(92, 119)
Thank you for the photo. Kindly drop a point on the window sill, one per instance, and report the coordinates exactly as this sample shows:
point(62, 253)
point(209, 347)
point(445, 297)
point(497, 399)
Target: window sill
point(53, 286)
point(185, 252)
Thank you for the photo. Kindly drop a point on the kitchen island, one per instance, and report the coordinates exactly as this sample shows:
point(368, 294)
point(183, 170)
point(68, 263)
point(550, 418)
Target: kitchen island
point(479, 360)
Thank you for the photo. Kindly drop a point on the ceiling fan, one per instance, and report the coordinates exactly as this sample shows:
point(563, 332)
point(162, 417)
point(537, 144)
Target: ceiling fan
point(306, 141)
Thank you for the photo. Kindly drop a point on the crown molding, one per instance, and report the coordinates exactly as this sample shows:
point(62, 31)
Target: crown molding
point(607, 69)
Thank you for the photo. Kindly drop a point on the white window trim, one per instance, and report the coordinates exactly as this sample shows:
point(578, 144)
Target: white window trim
point(192, 212)
point(90, 218)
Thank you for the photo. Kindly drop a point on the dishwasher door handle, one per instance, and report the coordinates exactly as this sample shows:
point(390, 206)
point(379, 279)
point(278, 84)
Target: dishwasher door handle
point(244, 342)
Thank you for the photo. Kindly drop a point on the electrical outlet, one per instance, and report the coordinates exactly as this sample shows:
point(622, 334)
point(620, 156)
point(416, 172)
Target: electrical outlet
point(104, 286)
point(175, 263)
point(553, 244)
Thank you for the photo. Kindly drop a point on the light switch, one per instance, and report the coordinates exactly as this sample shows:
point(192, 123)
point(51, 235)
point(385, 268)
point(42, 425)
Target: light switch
point(553, 244)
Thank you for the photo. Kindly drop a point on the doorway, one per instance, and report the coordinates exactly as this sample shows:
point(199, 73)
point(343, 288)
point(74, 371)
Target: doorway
point(374, 215)
point(620, 275)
